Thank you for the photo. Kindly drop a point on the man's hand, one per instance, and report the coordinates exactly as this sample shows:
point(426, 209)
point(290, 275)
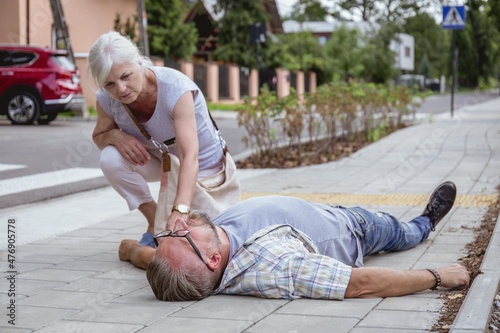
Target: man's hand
point(139, 256)
point(454, 276)
point(127, 246)
point(387, 282)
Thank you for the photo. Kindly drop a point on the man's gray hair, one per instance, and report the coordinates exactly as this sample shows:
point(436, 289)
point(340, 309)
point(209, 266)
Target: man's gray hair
point(180, 283)
point(189, 281)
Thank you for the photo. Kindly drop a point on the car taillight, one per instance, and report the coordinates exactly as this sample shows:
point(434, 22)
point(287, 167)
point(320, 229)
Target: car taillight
point(67, 81)
point(64, 76)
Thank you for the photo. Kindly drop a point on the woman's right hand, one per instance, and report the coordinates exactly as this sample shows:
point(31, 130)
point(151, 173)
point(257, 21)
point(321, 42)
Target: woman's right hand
point(132, 149)
point(106, 132)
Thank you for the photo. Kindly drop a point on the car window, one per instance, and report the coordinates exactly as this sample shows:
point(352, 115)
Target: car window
point(22, 58)
point(5, 59)
point(64, 61)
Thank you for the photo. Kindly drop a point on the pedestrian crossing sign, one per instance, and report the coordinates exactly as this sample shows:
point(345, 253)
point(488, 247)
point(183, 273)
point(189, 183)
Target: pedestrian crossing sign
point(453, 17)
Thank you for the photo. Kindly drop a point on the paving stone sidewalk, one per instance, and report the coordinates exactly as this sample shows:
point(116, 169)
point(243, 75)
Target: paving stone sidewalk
point(75, 283)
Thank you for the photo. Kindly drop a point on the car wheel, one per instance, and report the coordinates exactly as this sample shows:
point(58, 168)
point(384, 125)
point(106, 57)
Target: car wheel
point(23, 108)
point(47, 118)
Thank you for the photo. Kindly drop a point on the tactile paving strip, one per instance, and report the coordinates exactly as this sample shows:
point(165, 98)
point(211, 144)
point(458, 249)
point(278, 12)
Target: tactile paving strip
point(476, 200)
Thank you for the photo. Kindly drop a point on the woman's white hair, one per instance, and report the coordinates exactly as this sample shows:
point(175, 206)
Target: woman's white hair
point(112, 48)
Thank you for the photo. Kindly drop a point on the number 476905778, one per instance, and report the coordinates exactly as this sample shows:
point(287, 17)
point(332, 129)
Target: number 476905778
point(11, 240)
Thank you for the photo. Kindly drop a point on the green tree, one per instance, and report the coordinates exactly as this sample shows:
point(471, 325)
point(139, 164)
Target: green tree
point(399, 10)
point(126, 29)
point(274, 55)
point(303, 50)
point(480, 32)
point(468, 72)
point(234, 36)
point(431, 41)
point(308, 10)
point(366, 9)
point(494, 13)
point(377, 58)
point(477, 44)
point(424, 67)
point(168, 36)
point(382, 10)
point(344, 53)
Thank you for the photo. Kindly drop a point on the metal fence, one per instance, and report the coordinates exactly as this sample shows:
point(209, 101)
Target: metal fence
point(244, 80)
point(200, 77)
point(223, 81)
point(293, 80)
point(267, 77)
point(173, 64)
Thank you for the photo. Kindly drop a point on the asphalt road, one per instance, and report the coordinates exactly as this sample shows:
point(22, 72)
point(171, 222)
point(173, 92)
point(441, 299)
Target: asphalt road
point(42, 162)
point(442, 103)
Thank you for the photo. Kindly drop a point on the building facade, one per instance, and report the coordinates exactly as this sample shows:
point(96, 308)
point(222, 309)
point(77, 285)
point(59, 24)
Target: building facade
point(32, 22)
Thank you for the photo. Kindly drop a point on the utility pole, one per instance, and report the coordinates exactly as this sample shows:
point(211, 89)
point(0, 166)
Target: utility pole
point(142, 19)
point(258, 36)
point(61, 29)
point(28, 22)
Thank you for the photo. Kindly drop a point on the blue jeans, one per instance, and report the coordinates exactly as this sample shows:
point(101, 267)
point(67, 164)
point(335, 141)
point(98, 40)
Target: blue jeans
point(383, 232)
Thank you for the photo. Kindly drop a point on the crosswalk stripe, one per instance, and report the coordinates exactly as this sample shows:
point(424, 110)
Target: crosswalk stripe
point(6, 167)
point(47, 179)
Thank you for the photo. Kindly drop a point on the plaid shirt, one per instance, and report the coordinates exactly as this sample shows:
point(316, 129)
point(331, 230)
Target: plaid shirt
point(282, 262)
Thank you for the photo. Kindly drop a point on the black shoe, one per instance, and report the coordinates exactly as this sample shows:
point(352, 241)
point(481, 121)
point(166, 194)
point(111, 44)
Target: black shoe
point(440, 203)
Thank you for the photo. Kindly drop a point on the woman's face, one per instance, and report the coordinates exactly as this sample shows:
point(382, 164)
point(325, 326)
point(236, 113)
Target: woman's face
point(124, 82)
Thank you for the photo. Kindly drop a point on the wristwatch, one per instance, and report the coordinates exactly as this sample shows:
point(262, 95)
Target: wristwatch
point(181, 208)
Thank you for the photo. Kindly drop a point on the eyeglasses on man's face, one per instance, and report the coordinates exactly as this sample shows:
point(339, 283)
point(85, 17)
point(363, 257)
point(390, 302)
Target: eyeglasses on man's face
point(180, 233)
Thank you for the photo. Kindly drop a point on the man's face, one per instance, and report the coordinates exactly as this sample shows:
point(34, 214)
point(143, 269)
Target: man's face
point(178, 250)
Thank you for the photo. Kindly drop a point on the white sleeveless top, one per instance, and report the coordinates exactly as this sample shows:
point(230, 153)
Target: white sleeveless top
point(172, 84)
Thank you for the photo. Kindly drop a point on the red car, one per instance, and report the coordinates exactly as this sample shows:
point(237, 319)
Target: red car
point(37, 83)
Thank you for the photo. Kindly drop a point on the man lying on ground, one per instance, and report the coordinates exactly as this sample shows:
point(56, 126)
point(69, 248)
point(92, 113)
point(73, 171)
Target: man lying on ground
point(285, 247)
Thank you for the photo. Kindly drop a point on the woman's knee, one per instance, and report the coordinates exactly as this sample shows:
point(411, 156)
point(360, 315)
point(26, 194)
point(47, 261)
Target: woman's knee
point(111, 160)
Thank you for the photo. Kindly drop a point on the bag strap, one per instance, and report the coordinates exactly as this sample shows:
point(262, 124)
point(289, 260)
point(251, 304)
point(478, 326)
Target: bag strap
point(225, 149)
point(164, 152)
point(137, 123)
point(171, 140)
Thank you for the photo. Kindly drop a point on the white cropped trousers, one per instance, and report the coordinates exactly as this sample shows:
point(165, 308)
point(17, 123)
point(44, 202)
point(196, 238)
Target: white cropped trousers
point(130, 181)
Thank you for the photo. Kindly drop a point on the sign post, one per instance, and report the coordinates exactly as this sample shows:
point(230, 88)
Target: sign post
point(454, 19)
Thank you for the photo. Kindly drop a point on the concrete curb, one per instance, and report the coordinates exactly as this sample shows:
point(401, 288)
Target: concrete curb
point(475, 313)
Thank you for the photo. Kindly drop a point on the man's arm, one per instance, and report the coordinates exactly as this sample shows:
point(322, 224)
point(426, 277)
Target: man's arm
point(139, 256)
point(385, 282)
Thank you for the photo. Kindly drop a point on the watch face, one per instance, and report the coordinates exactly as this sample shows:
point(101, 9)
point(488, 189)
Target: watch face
point(184, 209)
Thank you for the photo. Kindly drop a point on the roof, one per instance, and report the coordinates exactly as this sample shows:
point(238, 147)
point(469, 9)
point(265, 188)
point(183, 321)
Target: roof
point(207, 6)
point(26, 47)
point(321, 27)
point(210, 7)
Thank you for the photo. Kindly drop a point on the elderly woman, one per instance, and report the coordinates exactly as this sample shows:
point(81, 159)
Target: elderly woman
point(171, 115)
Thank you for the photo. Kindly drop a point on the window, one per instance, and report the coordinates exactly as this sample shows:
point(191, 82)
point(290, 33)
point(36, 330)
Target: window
point(5, 59)
point(64, 61)
point(22, 58)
